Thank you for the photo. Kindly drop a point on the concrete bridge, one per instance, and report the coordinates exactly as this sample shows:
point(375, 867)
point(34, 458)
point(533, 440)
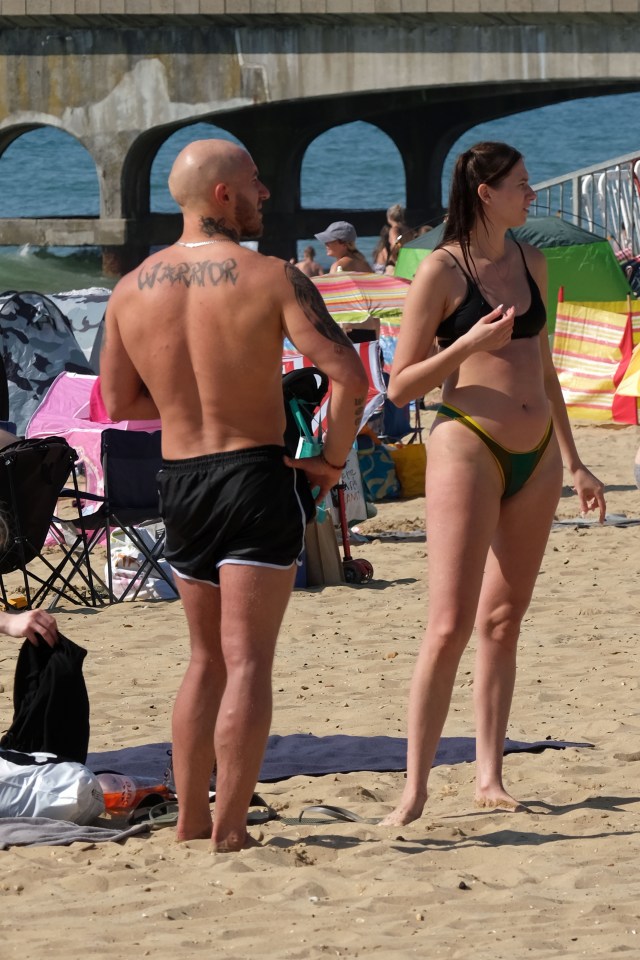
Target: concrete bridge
point(121, 76)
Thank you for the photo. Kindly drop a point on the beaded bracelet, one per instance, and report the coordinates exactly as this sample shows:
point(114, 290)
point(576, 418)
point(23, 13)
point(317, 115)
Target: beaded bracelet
point(332, 465)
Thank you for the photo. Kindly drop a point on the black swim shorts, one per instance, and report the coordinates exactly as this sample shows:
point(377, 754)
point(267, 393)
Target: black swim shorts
point(245, 507)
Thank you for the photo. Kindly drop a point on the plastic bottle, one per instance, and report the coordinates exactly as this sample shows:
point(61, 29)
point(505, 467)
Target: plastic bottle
point(122, 794)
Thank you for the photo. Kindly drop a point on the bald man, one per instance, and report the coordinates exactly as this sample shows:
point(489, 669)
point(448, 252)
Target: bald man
point(195, 335)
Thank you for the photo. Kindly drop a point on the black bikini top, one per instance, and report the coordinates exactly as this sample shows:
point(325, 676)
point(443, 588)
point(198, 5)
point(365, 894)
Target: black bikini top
point(474, 306)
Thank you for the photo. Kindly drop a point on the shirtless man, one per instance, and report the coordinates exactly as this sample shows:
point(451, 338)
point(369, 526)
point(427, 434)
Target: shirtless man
point(340, 241)
point(309, 265)
point(194, 335)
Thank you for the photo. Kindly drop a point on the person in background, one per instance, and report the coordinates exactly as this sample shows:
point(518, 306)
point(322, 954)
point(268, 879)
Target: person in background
point(399, 234)
point(29, 625)
point(308, 265)
point(382, 250)
point(340, 241)
point(398, 227)
point(194, 336)
point(494, 471)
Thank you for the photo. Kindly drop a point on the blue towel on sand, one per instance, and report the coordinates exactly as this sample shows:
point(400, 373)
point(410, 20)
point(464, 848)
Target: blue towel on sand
point(303, 754)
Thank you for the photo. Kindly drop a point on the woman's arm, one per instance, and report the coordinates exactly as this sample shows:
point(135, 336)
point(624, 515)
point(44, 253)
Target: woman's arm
point(590, 490)
point(416, 369)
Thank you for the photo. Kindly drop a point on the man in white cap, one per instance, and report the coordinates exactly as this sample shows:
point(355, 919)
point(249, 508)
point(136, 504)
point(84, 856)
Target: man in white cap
point(340, 241)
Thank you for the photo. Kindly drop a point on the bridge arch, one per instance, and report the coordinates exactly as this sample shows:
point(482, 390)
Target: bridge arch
point(362, 144)
point(26, 150)
point(160, 198)
point(122, 83)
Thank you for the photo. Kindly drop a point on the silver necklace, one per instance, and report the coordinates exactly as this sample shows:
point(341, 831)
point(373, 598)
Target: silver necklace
point(203, 243)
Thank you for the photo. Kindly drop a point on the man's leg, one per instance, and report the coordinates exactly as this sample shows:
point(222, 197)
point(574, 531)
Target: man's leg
point(196, 709)
point(254, 600)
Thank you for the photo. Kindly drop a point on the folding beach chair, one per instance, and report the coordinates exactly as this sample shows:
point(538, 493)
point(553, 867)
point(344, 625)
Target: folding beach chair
point(303, 390)
point(396, 421)
point(33, 474)
point(130, 461)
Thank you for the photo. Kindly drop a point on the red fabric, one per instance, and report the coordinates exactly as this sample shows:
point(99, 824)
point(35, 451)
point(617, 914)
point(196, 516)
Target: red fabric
point(624, 409)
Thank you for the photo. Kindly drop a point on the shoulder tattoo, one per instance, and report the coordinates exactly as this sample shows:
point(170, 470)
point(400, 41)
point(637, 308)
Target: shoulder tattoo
point(314, 308)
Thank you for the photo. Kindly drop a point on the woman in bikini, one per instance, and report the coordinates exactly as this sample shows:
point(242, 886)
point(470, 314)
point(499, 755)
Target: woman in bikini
point(494, 471)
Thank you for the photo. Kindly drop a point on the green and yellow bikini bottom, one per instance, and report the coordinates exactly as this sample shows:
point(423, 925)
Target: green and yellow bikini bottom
point(515, 466)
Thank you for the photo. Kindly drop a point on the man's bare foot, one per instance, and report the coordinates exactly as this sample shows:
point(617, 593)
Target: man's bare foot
point(499, 799)
point(234, 842)
point(193, 831)
point(182, 835)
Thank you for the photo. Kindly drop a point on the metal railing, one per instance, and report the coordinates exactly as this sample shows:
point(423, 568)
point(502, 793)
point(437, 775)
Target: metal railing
point(604, 199)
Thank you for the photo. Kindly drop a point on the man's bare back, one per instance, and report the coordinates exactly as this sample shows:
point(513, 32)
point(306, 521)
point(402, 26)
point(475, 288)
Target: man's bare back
point(195, 335)
point(199, 327)
point(206, 338)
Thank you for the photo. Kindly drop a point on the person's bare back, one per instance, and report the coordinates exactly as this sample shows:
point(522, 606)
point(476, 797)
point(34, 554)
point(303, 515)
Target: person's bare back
point(309, 265)
point(205, 335)
point(196, 332)
point(195, 335)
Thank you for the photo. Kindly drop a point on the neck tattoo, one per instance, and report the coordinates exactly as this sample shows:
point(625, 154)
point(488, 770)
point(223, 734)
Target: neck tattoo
point(203, 243)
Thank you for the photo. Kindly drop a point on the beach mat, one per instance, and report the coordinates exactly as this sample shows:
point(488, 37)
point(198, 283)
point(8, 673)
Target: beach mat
point(303, 754)
point(36, 831)
point(610, 520)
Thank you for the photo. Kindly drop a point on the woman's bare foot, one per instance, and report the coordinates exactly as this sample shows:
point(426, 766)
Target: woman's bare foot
point(497, 798)
point(408, 810)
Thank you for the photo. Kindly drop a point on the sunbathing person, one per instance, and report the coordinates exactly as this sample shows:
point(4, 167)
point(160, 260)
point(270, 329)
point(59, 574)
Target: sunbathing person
point(340, 241)
point(309, 265)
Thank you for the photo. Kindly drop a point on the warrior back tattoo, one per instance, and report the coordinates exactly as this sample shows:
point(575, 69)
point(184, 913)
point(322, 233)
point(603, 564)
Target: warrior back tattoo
point(314, 308)
point(196, 274)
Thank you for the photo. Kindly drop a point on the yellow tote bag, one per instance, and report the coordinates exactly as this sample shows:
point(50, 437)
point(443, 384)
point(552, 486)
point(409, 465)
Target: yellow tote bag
point(410, 461)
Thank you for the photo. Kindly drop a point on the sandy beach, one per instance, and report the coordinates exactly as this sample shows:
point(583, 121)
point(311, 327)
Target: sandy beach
point(559, 881)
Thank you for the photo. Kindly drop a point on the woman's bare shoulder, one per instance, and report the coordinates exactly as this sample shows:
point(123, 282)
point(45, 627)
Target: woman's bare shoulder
point(533, 255)
point(440, 264)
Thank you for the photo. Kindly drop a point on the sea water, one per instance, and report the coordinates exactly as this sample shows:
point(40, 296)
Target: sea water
point(354, 166)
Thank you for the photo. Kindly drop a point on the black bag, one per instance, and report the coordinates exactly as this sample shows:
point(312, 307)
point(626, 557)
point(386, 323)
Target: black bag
point(50, 701)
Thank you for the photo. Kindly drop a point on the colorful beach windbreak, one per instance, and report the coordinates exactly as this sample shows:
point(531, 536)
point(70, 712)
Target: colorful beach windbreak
point(352, 298)
point(592, 348)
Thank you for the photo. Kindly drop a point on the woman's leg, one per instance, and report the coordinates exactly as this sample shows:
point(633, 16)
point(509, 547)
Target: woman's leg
point(511, 571)
point(463, 490)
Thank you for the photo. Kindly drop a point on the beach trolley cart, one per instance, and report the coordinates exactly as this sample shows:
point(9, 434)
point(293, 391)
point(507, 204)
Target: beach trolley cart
point(356, 570)
point(303, 390)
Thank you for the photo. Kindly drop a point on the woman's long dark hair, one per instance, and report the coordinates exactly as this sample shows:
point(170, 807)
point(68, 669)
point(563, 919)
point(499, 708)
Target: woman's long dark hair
point(487, 162)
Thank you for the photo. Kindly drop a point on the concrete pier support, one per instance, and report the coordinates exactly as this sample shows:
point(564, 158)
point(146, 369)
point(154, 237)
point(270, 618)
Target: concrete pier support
point(277, 73)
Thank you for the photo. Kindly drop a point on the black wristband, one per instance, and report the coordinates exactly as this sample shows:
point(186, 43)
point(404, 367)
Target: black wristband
point(333, 466)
